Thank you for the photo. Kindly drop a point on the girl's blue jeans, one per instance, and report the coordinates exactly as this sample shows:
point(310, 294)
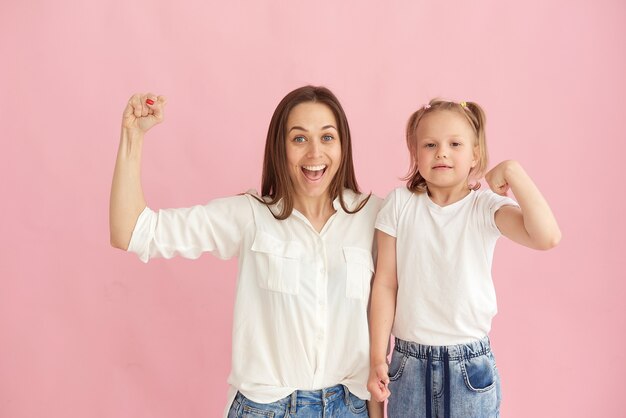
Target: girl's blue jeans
point(456, 381)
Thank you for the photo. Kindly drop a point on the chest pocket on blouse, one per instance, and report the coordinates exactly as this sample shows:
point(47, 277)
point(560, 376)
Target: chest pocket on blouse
point(359, 270)
point(278, 263)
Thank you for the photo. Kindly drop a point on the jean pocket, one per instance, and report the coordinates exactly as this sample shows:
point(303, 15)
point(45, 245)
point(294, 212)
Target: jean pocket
point(356, 405)
point(397, 364)
point(479, 373)
point(242, 407)
point(251, 412)
point(359, 271)
point(278, 263)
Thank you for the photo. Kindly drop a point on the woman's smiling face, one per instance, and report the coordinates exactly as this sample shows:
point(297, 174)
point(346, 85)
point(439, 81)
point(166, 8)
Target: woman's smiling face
point(313, 149)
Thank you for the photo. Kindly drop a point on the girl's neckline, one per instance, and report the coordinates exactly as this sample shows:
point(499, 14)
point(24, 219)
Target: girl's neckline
point(450, 206)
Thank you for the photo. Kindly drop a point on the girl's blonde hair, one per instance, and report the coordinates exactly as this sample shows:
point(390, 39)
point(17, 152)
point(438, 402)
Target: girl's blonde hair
point(476, 118)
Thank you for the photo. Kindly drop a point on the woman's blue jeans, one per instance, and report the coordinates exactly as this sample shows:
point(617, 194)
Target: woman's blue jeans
point(333, 402)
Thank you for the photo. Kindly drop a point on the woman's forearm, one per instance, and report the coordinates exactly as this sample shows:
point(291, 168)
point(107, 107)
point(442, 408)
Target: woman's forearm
point(127, 200)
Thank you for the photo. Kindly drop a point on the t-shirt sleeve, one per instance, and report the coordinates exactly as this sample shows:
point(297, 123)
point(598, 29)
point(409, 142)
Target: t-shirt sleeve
point(387, 219)
point(490, 203)
point(216, 227)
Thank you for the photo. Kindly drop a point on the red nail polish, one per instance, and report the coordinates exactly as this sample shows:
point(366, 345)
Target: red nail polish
point(150, 101)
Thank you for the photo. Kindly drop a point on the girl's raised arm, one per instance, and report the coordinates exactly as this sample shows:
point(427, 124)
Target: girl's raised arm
point(142, 112)
point(532, 224)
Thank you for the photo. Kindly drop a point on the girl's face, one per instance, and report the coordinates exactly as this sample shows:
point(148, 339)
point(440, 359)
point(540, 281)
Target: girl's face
point(313, 149)
point(446, 150)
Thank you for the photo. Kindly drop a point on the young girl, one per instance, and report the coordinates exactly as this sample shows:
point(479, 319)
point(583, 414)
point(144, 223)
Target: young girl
point(433, 283)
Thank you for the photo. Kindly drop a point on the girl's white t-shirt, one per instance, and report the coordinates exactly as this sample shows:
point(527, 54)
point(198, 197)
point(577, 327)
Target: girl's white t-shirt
point(444, 256)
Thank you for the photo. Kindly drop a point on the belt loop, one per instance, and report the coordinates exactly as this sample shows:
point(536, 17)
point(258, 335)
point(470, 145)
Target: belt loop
point(239, 398)
point(293, 403)
point(346, 394)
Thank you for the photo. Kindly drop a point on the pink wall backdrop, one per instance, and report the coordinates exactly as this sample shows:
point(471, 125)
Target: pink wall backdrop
point(88, 331)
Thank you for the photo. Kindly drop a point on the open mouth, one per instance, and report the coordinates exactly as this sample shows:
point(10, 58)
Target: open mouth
point(313, 172)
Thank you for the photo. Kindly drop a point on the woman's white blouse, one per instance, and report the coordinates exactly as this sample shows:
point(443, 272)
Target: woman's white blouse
point(300, 319)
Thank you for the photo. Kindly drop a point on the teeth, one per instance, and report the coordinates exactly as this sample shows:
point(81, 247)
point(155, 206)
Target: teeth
point(314, 167)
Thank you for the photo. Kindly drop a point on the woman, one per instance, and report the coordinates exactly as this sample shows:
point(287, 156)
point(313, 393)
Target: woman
point(300, 334)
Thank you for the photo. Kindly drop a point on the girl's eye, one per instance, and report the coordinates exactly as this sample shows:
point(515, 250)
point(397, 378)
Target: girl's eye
point(456, 144)
point(327, 138)
point(299, 139)
point(429, 145)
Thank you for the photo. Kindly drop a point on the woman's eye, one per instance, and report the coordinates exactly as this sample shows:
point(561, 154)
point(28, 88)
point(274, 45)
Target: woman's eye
point(327, 138)
point(299, 139)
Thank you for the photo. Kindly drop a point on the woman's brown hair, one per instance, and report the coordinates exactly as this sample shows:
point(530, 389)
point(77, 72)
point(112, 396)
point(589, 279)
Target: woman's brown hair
point(276, 184)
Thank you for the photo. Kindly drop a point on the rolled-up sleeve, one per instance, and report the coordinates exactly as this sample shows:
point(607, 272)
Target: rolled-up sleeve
point(216, 227)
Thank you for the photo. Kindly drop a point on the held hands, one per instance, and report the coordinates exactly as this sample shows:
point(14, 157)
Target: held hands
point(378, 382)
point(142, 112)
point(499, 178)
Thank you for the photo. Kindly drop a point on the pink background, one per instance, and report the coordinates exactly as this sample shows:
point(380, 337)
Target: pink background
point(88, 331)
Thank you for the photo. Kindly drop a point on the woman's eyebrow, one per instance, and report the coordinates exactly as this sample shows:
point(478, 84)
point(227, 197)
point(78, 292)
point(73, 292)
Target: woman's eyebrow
point(300, 128)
